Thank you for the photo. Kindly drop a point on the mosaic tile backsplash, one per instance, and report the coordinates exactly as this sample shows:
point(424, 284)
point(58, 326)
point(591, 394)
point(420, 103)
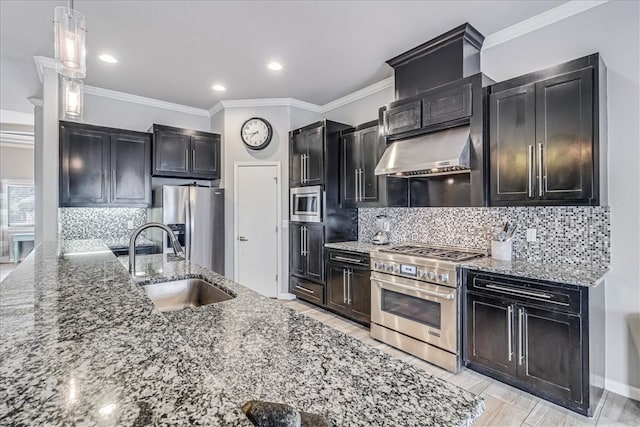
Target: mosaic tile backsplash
point(108, 224)
point(573, 235)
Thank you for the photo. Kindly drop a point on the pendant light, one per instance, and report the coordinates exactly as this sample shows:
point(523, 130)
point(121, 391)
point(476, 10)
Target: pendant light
point(72, 98)
point(70, 50)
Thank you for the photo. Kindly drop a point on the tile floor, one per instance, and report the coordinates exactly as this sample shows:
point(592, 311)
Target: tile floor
point(505, 405)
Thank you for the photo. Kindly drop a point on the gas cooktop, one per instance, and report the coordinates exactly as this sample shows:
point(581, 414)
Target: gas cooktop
point(443, 253)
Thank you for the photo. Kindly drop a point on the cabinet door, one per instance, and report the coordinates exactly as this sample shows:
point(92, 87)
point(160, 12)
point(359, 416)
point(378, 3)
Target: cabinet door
point(445, 105)
point(314, 168)
point(337, 288)
point(512, 143)
point(360, 288)
point(351, 164)
point(314, 242)
point(84, 166)
point(298, 259)
point(369, 148)
point(489, 333)
point(403, 118)
point(205, 156)
point(297, 151)
point(564, 127)
point(307, 291)
point(171, 153)
point(130, 170)
point(549, 352)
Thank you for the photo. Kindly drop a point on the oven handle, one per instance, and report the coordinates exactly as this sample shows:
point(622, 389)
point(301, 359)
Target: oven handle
point(422, 291)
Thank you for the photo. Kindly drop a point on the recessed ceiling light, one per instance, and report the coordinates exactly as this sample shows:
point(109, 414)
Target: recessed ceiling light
point(218, 88)
point(108, 58)
point(275, 66)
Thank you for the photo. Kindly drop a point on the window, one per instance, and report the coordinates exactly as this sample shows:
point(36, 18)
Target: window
point(21, 205)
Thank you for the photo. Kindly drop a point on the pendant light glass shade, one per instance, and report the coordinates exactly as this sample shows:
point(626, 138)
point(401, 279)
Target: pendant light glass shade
point(70, 32)
point(72, 98)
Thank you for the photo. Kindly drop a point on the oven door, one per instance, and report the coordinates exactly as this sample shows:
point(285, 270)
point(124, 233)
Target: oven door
point(420, 310)
point(306, 204)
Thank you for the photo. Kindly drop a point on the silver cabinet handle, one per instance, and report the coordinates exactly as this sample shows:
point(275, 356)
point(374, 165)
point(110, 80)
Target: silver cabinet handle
point(301, 168)
point(540, 171)
point(306, 168)
point(243, 239)
point(193, 159)
point(309, 291)
point(301, 241)
point(411, 288)
point(520, 336)
point(339, 258)
point(113, 185)
point(355, 173)
point(186, 159)
point(361, 185)
point(530, 170)
point(509, 331)
point(519, 292)
point(344, 285)
point(349, 276)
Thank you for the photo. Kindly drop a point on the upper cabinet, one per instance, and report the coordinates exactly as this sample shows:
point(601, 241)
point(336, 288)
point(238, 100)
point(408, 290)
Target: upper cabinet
point(360, 152)
point(306, 159)
point(103, 167)
point(436, 106)
point(183, 153)
point(544, 137)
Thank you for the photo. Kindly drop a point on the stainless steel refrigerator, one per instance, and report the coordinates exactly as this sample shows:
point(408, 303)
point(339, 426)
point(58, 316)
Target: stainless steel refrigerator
point(196, 216)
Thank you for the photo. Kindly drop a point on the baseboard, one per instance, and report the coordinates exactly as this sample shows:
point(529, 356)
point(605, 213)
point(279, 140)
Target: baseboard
point(286, 296)
point(625, 390)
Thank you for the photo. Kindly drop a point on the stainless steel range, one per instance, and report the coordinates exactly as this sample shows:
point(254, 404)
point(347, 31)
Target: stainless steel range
point(414, 300)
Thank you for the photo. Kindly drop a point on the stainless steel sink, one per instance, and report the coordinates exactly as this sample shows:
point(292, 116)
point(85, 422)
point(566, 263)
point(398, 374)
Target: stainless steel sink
point(179, 294)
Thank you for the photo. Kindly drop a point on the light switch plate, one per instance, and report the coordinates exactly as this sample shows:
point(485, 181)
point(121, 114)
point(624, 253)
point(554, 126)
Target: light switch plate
point(531, 235)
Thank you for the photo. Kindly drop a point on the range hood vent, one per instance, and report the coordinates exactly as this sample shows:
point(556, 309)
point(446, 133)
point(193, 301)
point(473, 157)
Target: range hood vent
point(439, 153)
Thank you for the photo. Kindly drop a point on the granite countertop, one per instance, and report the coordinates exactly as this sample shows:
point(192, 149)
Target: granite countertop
point(356, 246)
point(561, 273)
point(81, 343)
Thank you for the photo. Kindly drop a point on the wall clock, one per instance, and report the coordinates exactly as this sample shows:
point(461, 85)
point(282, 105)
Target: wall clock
point(256, 133)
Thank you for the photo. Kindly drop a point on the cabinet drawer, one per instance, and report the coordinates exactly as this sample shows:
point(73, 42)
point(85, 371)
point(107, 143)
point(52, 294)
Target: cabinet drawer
point(404, 117)
point(527, 292)
point(445, 105)
point(345, 257)
point(308, 291)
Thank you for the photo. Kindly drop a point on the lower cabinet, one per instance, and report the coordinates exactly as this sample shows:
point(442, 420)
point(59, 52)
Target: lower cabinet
point(306, 290)
point(536, 336)
point(349, 285)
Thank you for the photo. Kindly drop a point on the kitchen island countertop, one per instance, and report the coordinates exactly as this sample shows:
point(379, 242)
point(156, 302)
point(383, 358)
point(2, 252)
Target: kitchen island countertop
point(81, 343)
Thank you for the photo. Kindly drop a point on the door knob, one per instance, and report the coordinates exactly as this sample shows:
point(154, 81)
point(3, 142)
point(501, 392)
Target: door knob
point(243, 239)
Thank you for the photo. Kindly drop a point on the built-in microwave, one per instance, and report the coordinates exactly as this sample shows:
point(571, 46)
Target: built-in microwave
point(306, 204)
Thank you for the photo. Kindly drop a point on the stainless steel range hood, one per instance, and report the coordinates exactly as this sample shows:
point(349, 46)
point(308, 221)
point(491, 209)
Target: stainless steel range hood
point(440, 153)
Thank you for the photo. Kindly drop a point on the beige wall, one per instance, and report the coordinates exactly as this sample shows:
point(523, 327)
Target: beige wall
point(16, 163)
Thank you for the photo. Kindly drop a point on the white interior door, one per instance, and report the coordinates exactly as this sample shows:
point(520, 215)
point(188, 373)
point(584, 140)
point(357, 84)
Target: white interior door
point(257, 201)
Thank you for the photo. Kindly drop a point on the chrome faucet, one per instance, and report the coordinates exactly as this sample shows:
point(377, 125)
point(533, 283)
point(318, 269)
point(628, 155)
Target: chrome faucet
point(177, 248)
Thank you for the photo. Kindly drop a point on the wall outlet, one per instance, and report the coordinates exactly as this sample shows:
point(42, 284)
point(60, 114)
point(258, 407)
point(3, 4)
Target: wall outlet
point(531, 235)
point(130, 224)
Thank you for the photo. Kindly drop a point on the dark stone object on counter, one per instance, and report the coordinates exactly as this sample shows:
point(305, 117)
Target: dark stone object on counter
point(270, 414)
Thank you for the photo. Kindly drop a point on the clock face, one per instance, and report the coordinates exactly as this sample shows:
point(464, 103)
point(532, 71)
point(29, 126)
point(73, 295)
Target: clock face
point(256, 133)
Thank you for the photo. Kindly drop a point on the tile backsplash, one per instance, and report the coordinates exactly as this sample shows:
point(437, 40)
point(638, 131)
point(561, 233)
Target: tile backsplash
point(108, 224)
point(573, 235)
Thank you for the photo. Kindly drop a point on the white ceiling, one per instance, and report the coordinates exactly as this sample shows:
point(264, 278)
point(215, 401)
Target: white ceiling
point(175, 50)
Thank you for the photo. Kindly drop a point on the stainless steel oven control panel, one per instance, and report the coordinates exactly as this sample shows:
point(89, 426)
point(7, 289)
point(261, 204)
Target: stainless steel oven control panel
point(439, 272)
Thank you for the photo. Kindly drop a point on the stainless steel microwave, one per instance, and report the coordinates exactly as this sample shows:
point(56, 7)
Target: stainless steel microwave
point(306, 204)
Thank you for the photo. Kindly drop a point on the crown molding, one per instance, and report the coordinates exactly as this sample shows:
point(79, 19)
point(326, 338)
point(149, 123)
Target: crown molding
point(357, 95)
point(43, 62)
point(265, 102)
point(215, 109)
point(541, 20)
point(151, 102)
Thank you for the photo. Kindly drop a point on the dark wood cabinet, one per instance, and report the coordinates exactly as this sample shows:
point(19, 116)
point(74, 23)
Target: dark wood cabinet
point(306, 157)
point(404, 117)
point(544, 137)
point(306, 244)
point(184, 153)
point(306, 290)
point(361, 151)
point(443, 105)
point(349, 285)
point(103, 167)
point(538, 336)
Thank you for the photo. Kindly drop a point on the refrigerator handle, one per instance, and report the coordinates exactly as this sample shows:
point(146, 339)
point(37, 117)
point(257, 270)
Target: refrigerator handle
point(188, 224)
